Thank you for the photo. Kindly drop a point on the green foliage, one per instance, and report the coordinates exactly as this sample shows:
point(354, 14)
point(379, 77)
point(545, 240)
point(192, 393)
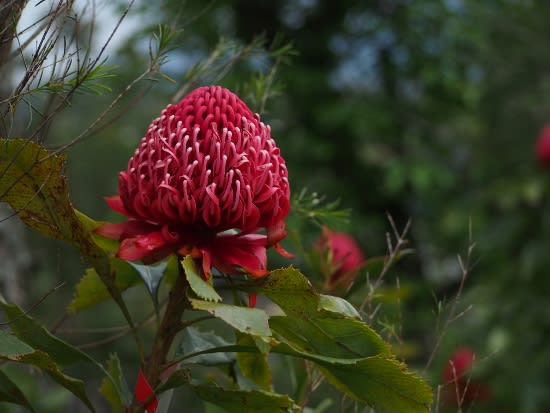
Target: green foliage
point(246, 401)
point(91, 290)
point(13, 349)
point(114, 387)
point(10, 393)
point(199, 286)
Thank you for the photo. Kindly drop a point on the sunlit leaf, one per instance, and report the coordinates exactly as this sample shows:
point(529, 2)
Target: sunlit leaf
point(337, 305)
point(199, 286)
point(330, 337)
point(245, 401)
point(91, 290)
point(382, 383)
point(251, 321)
point(290, 290)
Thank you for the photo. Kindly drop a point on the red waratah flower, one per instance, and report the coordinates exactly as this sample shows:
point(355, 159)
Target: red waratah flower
point(459, 387)
point(542, 148)
point(345, 257)
point(204, 180)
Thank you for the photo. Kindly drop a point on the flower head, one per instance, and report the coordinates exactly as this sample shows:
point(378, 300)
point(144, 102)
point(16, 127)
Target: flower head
point(542, 148)
point(459, 387)
point(205, 166)
point(344, 257)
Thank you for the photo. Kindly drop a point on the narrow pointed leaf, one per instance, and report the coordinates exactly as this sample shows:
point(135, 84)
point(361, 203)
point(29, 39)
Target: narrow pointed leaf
point(244, 401)
point(199, 286)
point(10, 393)
point(251, 321)
point(37, 337)
point(13, 349)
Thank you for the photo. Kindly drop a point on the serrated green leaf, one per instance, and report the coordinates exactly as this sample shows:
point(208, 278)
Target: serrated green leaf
point(13, 349)
point(290, 290)
point(194, 340)
point(251, 321)
point(244, 401)
point(337, 305)
point(114, 387)
point(254, 366)
point(341, 338)
point(91, 290)
point(33, 184)
point(10, 393)
point(199, 286)
point(382, 383)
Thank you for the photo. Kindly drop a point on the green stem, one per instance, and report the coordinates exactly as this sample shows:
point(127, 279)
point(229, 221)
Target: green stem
point(170, 326)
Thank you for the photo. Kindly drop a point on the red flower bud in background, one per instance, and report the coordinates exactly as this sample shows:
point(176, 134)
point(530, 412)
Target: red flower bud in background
point(459, 388)
point(345, 258)
point(205, 166)
point(542, 148)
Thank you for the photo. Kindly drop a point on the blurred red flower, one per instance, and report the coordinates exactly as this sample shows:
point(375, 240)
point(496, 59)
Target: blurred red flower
point(204, 180)
point(542, 147)
point(459, 389)
point(344, 256)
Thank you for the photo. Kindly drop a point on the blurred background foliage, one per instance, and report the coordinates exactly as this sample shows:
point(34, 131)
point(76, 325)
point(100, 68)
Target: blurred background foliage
point(425, 109)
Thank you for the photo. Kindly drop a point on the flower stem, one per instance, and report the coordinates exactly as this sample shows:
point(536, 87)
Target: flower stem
point(170, 326)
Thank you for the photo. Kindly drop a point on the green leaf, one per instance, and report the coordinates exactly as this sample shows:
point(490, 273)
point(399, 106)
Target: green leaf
point(32, 183)
point(194, 340)
point(290, 290)
point(254, 366)
point(337, 306)
point(251, 321)
point(91, 290)
point(114, 386)
point(151, 276)
point(341, 338)
point(34, 336)
point(382, 383)
point(244, 401)
point(13, 349)
point(37, 337)
point(199, 286)
point(178, 378)
point(10, 393)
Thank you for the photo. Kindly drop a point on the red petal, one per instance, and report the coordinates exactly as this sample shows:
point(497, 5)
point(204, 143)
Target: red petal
point(113, 231)
point(115, 203)
point(252, 298)
point(245, 251)
point(282, 252)
point(276, 233)
point(141, 247)
point(144, 393)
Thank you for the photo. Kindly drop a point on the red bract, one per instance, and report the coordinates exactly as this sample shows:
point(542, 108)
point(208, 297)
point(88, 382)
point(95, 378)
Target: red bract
point(345, 257)
point(205, 166)
point(459, 388)
point(542, 148)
